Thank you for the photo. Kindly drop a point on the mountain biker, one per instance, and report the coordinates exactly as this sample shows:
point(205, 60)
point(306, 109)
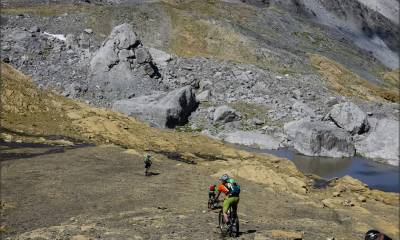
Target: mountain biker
point(147, 163)
point(231, 189)
point(212, 190)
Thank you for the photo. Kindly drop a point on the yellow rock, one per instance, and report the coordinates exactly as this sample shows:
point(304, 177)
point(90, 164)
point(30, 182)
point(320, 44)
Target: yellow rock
point(79, 237)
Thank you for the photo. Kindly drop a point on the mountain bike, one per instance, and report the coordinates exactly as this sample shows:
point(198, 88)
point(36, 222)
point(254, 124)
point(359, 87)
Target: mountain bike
point(232, 228)
point(213, 203)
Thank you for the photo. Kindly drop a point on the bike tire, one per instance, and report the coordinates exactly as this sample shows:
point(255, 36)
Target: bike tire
point(221, 222)
point(234, 224)
point(236, 232)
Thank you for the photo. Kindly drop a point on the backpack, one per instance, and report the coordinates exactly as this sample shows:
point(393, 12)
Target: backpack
point(234, 188)
point(147, 159)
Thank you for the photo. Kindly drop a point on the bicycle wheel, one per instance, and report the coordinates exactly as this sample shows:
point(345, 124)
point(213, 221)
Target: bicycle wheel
point(210, 203)
point(221, 222)
point(235, 227)
point(233, 224)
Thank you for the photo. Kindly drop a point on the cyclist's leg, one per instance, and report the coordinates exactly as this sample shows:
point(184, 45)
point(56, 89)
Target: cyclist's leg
point(235, 204)
point(225, 208)
point(228, 202)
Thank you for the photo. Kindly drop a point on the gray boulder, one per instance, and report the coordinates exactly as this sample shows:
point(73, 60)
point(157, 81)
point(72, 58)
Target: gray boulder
point(160, 57)
point(122, 37)
point(142, 55)
point(122, 66)
point(252, 139)
point(203, 96)
point(161, 109)
point(349, 117)
point(34, 29)
point(382, 142)
point(225, 114)
point(319, 139)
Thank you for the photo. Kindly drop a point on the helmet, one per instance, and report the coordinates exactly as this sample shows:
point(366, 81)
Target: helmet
point(224, 177)
point(372, 235)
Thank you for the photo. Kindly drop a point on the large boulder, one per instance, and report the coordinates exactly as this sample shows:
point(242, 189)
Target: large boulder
point(122, 66)
point(382, 141)
point(161, 109)
point(252, 139)
point(319, 139)
point(160, 57)
point(225, 114)
point(349, 117)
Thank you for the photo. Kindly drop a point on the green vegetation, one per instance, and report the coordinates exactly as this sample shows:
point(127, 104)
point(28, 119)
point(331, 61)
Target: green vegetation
point(189, 128)
point(199, 29)
point(347, 83)
point(250, 111)
point(45, 10)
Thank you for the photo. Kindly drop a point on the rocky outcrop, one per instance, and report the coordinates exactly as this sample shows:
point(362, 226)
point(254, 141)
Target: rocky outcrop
point(122, 66)
point(349, 117)
point(161, 109)
point(225, 114)
point(319, 139)
point(252, 139)
point(382, 141)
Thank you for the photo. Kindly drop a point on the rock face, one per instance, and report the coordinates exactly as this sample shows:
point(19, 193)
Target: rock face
point(253, 139)
point(319, 139)
point(225, 114)
point(382, 142)
point(160, 109)
point(349, 117)
point(122, 66)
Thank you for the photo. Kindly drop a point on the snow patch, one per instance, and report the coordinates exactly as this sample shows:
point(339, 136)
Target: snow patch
point(57, 36)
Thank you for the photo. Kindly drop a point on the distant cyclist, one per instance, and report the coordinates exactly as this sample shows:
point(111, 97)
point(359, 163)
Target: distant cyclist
point(231, 189)
point(147, 164)
point(212, 190)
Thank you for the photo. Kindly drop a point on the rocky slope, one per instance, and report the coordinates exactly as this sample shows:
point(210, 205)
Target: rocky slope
point(272, 63)
point(115, 203)
point(314, 75)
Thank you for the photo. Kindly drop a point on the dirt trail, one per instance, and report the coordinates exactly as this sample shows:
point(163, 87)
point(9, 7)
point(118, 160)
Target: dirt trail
point(102, 193)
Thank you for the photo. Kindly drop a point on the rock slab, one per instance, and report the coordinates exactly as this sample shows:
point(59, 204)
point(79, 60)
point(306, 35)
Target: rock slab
point(161, 109)
point(382, 141)
point(319, 139)
point(253, 139)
